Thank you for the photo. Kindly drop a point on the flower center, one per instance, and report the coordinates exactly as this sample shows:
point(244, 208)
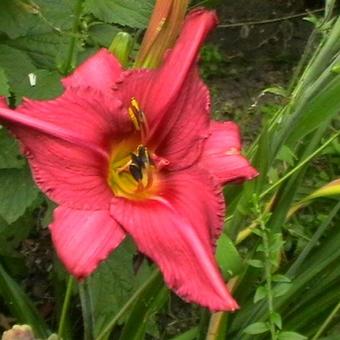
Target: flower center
point(132, 172)
point(132, 176)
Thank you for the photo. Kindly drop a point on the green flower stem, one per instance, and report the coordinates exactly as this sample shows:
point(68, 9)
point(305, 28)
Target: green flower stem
point(267, 269)
point(87, 310)
point(66, 304)
point(300, 165)
point(68, 66)
point(327, 321)
point(153, 277)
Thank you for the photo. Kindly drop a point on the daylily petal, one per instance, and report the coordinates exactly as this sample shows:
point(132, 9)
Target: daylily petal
point(3, 102)
point(69, 173)
point(173, 97)
point(177, 236)
point(84, 111)
point(99, 72)
point(84, 238)
point(221, 154)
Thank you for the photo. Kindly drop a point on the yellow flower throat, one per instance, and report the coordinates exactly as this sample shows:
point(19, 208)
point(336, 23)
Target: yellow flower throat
point(131, 169)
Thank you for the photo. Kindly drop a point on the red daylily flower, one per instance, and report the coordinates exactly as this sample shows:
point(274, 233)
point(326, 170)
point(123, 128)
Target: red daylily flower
point(135, 152)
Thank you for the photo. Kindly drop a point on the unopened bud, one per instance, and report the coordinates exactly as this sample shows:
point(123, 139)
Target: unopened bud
point(121, 47)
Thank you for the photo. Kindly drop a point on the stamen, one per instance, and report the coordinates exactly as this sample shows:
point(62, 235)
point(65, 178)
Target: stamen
point(136, 172)
point(137, 117)
point(134, 113)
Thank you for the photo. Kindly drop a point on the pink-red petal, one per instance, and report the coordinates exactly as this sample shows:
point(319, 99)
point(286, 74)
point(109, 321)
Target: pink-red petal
point(174, 99)
point(175, 230)
point(3, 102)
point(72, 174)
point(83, 239)
point(99, 72)
point(221, 154)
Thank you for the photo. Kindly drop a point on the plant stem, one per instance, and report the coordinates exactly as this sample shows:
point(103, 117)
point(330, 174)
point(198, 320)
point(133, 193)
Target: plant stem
point(300, 165)
point(68, 66)
point(66, 304)
point(87, 311)
point(154, 276)
point(327, 321)
point(267, 268)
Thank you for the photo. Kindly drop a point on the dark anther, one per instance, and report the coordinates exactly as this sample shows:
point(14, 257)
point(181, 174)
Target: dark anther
point(136, 172)
point(143, 154)
point(137, 160)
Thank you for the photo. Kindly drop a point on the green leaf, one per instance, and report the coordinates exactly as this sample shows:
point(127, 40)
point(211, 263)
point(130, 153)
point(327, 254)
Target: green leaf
point(148, 304)
point(10, 58)
point(16, 17)
point(11, 235)
point(286, 154)
point(4, 86)
point(19, 18)
point(9, 152)
point(191, 334)
point(321, 107)
point(256, 328)
point(281, 278)
point(255, 263)
point(261, 293)
point(228, 257)
point(276, 319)
point(279, 91)
point(102, 34)
point(133, 13)
point(43, 48)
point(114, 279)
point(20, 306)
point(17, 193)
point(291, 336)
point(281, 289)
point(41, 84)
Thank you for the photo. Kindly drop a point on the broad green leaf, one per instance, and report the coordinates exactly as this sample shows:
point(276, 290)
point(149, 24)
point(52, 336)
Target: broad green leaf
point(4, 87)
point(102, 34)
point(19, 18)
point(17, 193)
point(11, 235)
point(9, 151)
point(256, 328)
point(41, 84)
point(10, 58)
point(291, 336)
point(113, 283)
point(16, 17)
point(43, 48)
point(133, 13)
point(228, 257)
